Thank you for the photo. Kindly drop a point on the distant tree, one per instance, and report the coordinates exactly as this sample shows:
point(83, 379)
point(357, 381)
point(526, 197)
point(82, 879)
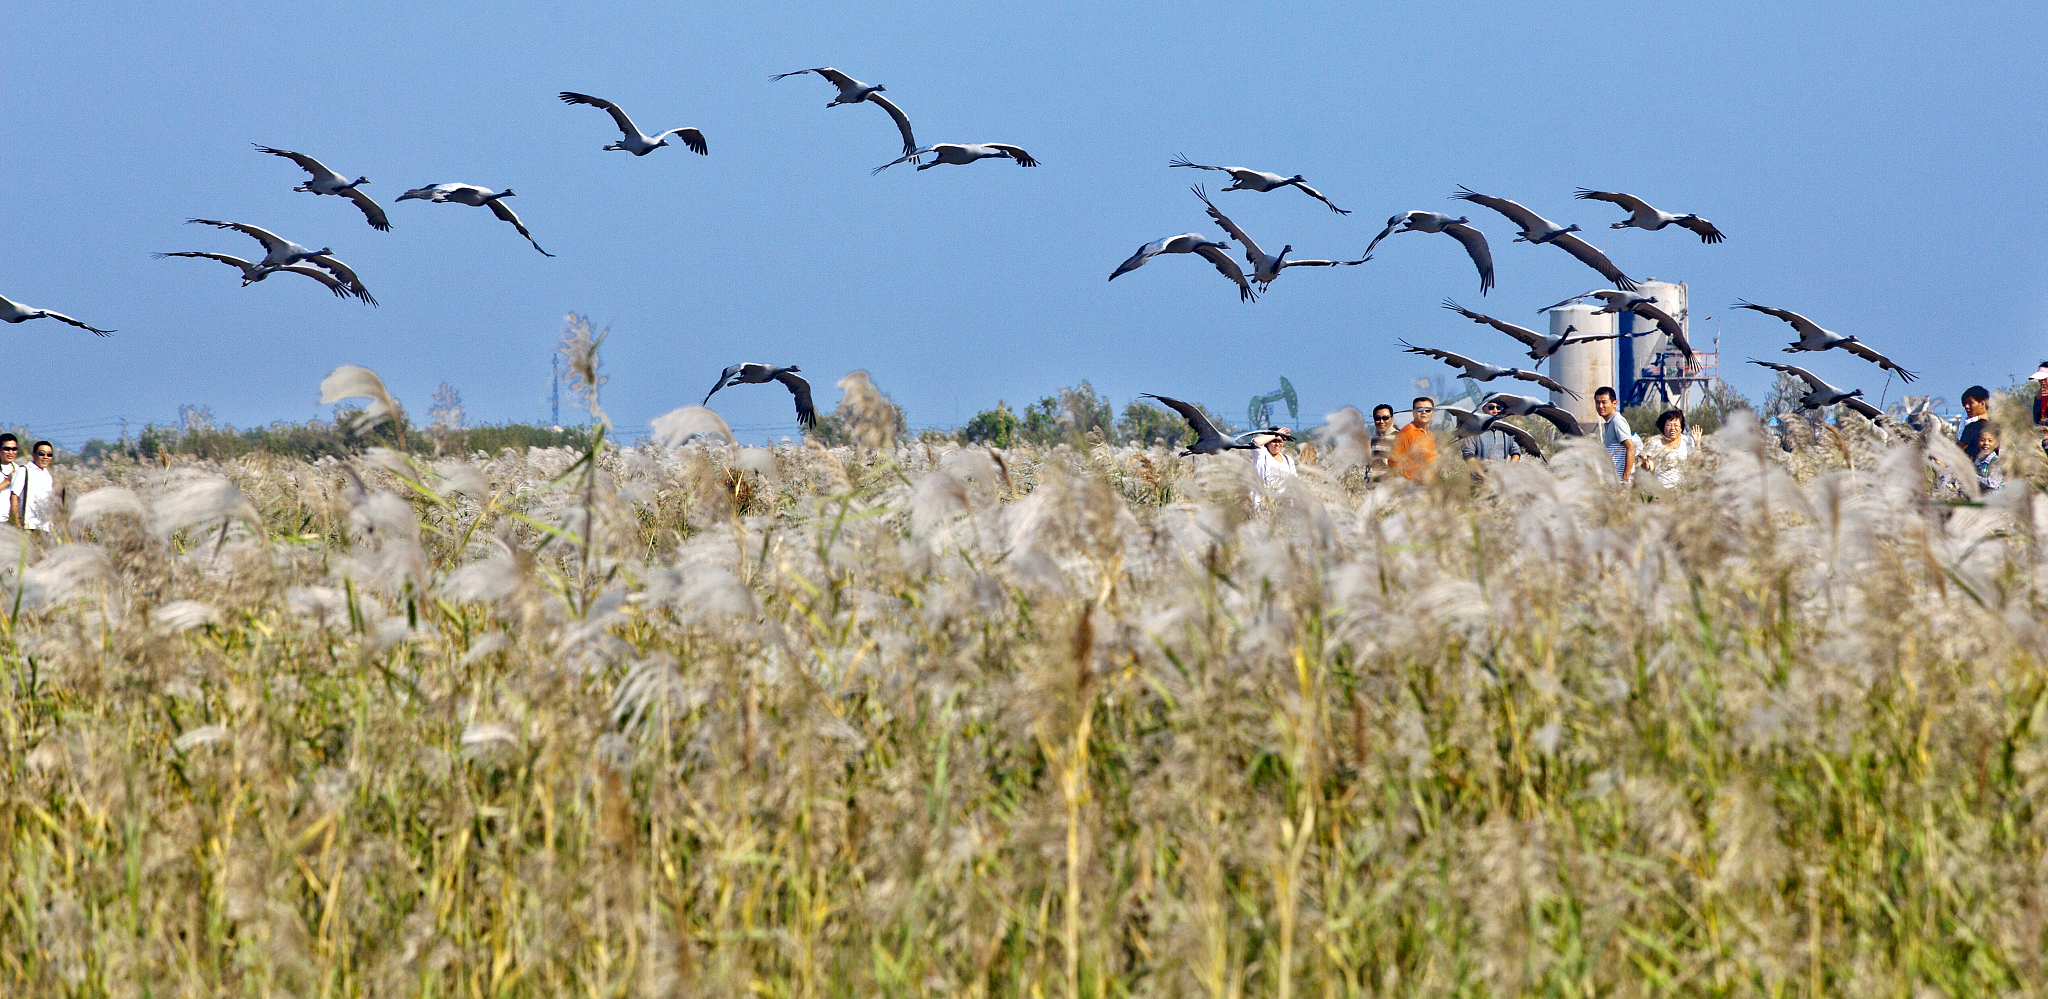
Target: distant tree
point(1074, 412)
point(446, 412)
point(1784, 395)
point(1144, 424)
point(865, 415)
point(195, 418)
point(997, 427)
point(1715, 405)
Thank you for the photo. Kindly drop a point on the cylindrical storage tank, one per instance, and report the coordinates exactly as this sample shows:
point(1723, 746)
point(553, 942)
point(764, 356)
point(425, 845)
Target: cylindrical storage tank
point(1581, 367)
point(1639, 355)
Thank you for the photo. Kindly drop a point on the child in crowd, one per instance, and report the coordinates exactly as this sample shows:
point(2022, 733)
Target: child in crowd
point(1988, 475)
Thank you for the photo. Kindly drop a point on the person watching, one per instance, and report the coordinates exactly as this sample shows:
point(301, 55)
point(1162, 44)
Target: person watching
point(1415, 447)
point(1274, 466)
point(30, 489)
point(1616, 435)
point(1976, 401)
point(1667, 454)
point(1490, 446)
point(1382, 443)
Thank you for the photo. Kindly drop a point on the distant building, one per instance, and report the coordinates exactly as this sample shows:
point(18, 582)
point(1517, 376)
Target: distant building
point(1581, 367)
point(1642, 369)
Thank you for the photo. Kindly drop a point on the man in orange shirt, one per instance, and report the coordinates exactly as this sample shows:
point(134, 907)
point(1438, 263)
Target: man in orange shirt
point(1415, 446)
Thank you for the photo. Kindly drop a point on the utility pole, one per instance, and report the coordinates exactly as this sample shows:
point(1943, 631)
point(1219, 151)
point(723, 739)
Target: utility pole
point(555, 395)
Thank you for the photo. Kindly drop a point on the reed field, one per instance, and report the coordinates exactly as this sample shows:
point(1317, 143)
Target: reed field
point(908, 718)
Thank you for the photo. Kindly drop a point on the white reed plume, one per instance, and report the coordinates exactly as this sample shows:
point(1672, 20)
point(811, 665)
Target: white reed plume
point(387, 548)
point(352, 381)
point(179, 616)
point(870, 416)
point(579, 349)
point(1350, 436)
point(759, 460)
point(69, 573)
point(678, 426)
point(107, 501)
point(204, 735)
point(201, 501)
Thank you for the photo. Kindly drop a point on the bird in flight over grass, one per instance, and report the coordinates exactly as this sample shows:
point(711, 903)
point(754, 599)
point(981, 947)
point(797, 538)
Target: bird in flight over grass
point(1456, 228)
point(1244, 179)
point(1265, 268)
point(280, 253)
point(752, 373)
point(1537, 229)
point(1642, 216)
point(1208, 439)
point(1812, 337)
point(852, 91)
point(252, 272)
point(475, 197)
point(633, 140)
point(1541, 345)
point(1480, 371)
point(325, 181)
point(1823, 394)
point(962, 154)
point(13, 313)
point(1191, 242)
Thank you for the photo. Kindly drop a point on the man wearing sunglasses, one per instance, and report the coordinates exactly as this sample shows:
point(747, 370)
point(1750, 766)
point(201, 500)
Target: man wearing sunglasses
point(1382, 443)
point(1415, 446)
point(31, 487)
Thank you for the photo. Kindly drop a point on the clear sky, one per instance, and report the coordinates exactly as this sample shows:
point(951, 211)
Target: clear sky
point(1876, 167)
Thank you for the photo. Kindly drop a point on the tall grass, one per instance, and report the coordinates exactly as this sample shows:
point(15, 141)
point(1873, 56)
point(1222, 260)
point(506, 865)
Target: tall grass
point(907, 719)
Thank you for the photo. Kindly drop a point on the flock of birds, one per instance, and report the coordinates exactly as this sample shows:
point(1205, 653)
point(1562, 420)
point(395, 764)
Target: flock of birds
point(282, 255)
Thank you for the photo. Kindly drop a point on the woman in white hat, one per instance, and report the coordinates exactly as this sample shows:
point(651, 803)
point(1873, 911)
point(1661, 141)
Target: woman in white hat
point(1275, 467)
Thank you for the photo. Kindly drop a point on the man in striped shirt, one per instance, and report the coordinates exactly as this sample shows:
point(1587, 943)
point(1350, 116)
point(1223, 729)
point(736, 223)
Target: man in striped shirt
point(1615, 434)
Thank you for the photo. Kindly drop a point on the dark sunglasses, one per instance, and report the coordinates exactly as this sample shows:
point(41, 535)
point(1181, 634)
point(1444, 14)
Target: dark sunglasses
point(9, 447)
point(44, 454)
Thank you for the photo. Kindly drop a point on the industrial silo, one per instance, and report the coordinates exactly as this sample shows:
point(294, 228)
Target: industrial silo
point(1581, 367)
point(1638, 357)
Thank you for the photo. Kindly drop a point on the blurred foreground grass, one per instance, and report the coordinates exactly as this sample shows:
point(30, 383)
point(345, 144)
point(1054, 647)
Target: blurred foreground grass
point(917, 720)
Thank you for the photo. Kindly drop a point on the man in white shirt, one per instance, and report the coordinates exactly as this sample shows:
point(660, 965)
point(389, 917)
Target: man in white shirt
point(1616, 435)
point(31, 488)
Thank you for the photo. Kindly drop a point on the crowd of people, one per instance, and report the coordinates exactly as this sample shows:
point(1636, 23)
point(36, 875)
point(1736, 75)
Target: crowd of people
point(1410, 450)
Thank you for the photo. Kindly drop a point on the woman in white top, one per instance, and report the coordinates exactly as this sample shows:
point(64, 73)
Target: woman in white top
point(30, 488)
point(1275, 467)
point(1667, 454)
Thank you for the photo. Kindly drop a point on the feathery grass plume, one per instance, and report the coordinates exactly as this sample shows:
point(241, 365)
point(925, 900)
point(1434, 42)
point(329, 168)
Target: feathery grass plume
point(386, 551)
point(679, 426)
point(201, 500)
point(107, 501)
point(179, 616)
point(204, 735)
point(870, 416)
point(1047, 726)
point(1349, 435)
point(579, 350)
point(351, 381)
point(71, 572)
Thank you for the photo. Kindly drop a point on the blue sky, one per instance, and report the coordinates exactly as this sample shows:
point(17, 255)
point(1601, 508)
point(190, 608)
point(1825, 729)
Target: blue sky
point(1876, 168)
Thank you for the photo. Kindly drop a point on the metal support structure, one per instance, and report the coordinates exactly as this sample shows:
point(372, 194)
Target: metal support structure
point(1260, 413)
point(1670, 380)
